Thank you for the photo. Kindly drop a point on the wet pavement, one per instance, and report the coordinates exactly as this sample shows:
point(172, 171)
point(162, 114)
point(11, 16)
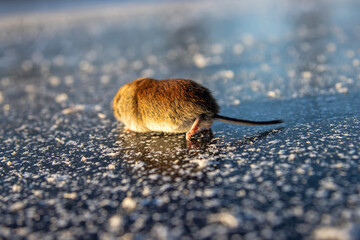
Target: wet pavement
point(68, 170)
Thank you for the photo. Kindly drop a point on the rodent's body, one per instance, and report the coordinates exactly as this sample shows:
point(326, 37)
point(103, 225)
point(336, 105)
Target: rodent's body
point(170, 105)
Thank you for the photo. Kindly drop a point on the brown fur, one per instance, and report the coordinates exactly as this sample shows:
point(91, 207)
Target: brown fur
point(175, 102)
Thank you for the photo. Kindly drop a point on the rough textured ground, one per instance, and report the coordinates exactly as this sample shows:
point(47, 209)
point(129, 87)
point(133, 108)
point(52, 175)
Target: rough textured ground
point(69, 171)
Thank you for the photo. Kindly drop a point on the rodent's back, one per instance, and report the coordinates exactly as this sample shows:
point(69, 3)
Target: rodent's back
point(170, 100)
point(174, 99)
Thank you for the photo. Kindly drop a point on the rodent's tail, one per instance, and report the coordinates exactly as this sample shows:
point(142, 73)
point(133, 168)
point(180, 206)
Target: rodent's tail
point(244, 122)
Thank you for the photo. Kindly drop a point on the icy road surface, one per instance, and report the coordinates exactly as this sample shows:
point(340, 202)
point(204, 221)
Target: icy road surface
point(69, 171)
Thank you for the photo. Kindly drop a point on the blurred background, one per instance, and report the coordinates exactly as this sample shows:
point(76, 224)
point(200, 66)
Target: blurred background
point(240, 50)
point(21, 6)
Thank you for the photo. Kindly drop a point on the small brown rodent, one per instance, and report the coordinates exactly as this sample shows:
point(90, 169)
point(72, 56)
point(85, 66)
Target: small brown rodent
point(169, 105)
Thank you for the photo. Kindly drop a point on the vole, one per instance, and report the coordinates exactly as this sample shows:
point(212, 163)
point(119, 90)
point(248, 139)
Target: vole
point(170, 105)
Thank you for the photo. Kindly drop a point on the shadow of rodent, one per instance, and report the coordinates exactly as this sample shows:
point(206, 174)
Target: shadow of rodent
point(161, 150)
point(171, 154)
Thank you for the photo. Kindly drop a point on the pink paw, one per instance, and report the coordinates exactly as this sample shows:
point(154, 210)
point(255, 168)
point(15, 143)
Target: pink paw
point(188, 135)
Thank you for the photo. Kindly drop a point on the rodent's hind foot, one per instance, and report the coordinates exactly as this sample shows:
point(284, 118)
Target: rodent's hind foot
point(194, 127)
point(189, 134)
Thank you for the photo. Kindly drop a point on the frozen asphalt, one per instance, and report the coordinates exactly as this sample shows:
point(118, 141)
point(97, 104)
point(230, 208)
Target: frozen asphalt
point(69, 171)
